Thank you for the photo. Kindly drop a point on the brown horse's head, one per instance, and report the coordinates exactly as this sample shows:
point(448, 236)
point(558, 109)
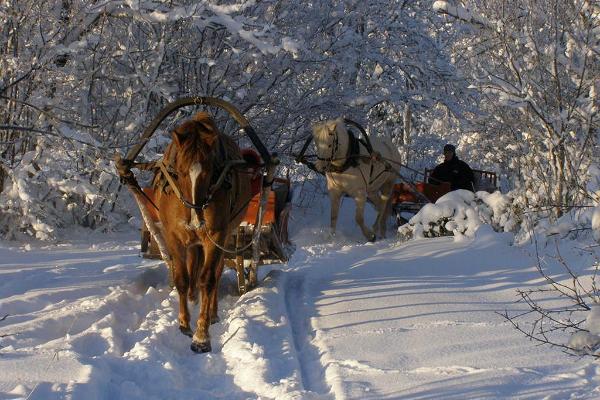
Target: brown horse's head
point(194, 142)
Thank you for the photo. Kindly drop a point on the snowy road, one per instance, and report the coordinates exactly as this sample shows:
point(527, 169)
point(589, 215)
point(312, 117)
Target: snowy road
point(341, 321)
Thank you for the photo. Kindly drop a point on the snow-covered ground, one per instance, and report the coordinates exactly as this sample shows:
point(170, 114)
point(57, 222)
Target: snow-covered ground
point(90, 319)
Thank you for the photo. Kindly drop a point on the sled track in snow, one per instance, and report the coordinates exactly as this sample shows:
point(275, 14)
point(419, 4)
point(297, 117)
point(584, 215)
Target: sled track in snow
point(311, 368)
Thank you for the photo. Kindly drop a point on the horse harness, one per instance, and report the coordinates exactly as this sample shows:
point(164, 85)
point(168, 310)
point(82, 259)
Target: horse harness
point(353, 156)
point(166, 178)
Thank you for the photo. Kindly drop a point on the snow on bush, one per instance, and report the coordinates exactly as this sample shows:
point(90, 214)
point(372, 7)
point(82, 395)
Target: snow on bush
point(586, 341)
point(462, 212)
point(49, 190)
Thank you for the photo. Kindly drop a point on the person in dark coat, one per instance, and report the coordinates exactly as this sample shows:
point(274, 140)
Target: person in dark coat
point(453, 170)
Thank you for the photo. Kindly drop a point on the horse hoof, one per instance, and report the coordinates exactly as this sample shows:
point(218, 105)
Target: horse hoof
point(214, 320)
point(186, 331)
point(372, 238)
point(198, 347)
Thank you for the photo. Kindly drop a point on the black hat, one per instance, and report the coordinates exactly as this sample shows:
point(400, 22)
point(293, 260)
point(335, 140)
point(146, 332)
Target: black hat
point(450, 147)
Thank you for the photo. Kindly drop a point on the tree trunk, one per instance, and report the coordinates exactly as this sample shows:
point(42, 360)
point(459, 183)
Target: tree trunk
point(406, 134)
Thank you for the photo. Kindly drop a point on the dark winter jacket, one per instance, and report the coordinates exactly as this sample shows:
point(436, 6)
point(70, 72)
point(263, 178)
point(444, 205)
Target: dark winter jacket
point(455, 171)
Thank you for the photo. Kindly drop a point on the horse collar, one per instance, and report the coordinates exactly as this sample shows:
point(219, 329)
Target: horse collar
point(334, 147)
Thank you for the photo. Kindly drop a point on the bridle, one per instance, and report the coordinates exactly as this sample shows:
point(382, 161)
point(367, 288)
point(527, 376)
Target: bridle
point(334, 149)
point(165, 169)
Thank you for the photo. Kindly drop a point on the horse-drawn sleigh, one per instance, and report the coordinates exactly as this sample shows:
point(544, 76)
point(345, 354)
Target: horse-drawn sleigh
point(357, 168)
point(210, 204)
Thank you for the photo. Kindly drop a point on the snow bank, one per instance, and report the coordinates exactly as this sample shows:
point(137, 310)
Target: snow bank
point(462, 212)
point(262, 333)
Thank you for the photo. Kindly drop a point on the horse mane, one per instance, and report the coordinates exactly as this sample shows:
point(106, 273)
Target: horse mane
point(198, 138)
point(227, 147)
point(205, 119)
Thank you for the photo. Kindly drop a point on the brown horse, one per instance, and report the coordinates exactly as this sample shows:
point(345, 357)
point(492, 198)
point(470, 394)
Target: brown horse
point(202, 196)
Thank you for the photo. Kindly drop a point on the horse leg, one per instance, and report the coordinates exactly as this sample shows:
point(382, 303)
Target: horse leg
point(208, 284)
point(359, 216)
point(194, 256)
point(335, 197)
point(182, 284)
point(386, 203)
point(214, 301)
point(377, 203)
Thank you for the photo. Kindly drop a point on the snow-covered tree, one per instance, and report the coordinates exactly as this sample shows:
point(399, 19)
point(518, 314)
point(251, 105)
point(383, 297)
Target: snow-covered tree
point(537, 65)
point(81, 80)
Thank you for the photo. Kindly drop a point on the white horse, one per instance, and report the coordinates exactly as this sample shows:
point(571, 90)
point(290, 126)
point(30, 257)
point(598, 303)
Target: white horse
point(351, 170)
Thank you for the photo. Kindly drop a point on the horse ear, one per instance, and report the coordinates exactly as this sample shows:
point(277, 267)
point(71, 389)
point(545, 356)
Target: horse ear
point(201, 116)
point(179, 137)
point(206, 127)
point(208, 136)
point(339, 126)
point(313, 128)
point(319, 129)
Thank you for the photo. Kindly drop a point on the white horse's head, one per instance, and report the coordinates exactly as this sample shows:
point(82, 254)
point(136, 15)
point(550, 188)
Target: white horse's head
point(329, 136)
